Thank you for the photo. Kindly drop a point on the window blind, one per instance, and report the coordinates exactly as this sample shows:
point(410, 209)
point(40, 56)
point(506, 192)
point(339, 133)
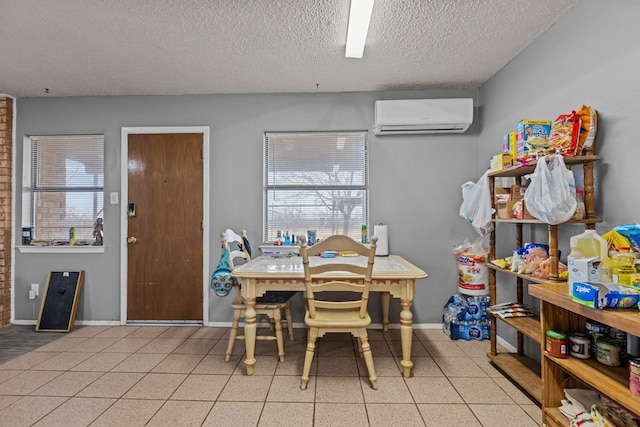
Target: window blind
point(66, 185)
point(315, 181)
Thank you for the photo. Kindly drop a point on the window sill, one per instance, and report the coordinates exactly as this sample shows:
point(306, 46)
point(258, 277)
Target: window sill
point(60, 249)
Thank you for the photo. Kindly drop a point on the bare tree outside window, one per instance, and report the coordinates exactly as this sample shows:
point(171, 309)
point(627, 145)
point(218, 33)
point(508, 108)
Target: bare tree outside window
point(316, 181)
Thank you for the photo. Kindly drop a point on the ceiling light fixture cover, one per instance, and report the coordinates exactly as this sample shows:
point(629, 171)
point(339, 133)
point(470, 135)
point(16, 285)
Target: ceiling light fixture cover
point(359, 17)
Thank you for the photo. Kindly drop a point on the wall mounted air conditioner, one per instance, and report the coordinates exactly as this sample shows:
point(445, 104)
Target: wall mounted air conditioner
point(417, 116)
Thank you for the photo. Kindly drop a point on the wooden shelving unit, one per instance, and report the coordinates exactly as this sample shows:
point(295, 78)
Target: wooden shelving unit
point(559, 312)
point(523, 370)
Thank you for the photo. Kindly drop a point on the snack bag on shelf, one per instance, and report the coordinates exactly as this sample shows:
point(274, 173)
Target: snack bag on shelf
point(588, 125)
point(565, 134)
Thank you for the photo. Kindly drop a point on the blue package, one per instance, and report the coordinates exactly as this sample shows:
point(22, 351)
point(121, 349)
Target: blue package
point(473, 330)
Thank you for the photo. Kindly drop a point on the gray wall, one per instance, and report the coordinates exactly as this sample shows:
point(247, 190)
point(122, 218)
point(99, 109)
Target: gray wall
point(414, 182)
point(591, 56)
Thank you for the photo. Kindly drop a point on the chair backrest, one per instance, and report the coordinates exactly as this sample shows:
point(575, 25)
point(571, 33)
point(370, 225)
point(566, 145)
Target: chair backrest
point(238, 246)
point(349, 275)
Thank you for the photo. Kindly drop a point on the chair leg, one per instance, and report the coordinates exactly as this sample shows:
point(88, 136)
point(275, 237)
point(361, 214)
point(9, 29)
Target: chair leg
point(277, 317)
point(308, 358)
point(368, 359)
point(287, 311)
point(232, 333)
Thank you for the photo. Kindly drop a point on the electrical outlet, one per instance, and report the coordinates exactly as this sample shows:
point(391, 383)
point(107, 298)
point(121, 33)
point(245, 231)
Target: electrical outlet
point(32, 294)
point(35, 287)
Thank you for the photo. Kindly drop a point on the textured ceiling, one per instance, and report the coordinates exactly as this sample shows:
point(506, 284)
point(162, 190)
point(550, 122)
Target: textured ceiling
point(157, 47)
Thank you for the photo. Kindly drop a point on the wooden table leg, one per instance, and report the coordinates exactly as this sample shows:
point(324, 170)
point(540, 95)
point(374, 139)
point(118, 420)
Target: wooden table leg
point(406, 336)
point(385, 298)
point(250, 335)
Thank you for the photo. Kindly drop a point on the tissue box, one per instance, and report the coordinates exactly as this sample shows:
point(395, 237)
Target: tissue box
point(583, 269)
point(604, 295)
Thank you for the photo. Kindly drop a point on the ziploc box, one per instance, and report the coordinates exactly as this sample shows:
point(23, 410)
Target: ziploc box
point(526, 129)
point(604, 295)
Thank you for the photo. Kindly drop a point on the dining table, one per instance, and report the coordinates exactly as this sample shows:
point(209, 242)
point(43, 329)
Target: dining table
point(393, 276)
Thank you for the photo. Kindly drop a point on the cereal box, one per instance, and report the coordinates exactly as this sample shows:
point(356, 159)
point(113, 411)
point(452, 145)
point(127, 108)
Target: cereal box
point(513, 151)
point(526, 129)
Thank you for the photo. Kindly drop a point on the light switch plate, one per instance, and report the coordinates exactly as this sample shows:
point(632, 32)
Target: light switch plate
point(113, 197)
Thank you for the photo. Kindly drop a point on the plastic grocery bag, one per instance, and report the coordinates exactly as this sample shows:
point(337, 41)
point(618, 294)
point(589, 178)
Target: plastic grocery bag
point(551, 195)
point(476, 205)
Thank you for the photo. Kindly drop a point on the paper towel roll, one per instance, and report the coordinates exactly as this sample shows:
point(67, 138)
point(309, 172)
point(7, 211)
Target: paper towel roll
point(382, 233)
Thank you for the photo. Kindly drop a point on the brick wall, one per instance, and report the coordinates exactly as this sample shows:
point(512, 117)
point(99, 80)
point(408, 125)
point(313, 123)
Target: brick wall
point(6, 148)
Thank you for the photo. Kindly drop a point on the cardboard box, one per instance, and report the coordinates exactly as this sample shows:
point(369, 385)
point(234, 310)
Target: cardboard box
point(500, 162)
point(518, 212)
point(604, 295)
point(583, 269)
point(517, 192)
point(502, 211)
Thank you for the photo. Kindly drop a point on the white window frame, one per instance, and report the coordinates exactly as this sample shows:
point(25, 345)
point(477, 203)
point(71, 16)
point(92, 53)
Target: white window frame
point(28, 207)
point(271, 184)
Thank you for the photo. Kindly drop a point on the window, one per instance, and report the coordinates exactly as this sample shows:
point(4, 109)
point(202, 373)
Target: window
point(315, 181)
point(63, 185)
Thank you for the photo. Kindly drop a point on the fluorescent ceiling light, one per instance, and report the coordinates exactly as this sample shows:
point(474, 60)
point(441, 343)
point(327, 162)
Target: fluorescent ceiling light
point(359, 17)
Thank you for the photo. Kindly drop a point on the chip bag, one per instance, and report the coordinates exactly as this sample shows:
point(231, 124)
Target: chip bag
point(565, 134)
point(588, 125)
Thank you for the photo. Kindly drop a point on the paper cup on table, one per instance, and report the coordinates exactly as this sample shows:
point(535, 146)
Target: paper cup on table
point(382, 233)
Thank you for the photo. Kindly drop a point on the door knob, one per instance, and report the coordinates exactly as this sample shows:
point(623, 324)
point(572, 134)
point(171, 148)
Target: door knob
point(131, 240)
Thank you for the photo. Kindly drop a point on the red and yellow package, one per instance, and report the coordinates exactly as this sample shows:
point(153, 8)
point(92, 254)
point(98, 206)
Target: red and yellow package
point(588, 125)
point(565, 134)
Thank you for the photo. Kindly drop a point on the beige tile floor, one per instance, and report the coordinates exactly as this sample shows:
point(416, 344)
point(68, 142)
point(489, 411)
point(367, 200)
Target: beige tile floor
point(177, 376)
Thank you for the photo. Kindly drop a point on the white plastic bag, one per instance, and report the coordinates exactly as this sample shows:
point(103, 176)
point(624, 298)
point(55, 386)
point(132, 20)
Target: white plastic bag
point(476, 205)
point(551, 195)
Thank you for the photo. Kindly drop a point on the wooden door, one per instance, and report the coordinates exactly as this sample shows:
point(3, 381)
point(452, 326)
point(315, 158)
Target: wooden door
point(164, 243)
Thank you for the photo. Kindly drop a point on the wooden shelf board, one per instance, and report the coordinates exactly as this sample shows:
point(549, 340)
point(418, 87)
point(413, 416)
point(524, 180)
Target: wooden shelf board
point(522, 370)
point(611, 381)
point(537, 221)
point(530, 326)
point(553, 417)
point(558, 294)
point(527, 277)
point(524, 170)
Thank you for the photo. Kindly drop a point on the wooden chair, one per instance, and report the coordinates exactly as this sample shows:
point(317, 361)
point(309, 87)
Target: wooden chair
point(271, 305)
point(347, 313)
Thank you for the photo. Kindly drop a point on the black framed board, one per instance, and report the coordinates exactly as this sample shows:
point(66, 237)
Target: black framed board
point(60, 301)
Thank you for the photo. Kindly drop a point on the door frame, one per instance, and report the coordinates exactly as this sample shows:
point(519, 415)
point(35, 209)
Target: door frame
point(124, 223)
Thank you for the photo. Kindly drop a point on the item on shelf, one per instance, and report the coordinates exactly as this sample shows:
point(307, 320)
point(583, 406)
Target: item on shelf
point(556, 344)
point(588, 126)
point(579, 345)
point(476, 205)
point(624, 236)
point(511, 309)
point(633, 346)
point(503, 262)
point(529, 130)
point(604, 295)
point(565, 134)
point(582, 398)
point(580, 207)
point(538, 146)
point(473, 273)
point(634, 376)
point(551, 195)
point(608, 352)
point(585, 246)
point(595, 331)
point(500, 162)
